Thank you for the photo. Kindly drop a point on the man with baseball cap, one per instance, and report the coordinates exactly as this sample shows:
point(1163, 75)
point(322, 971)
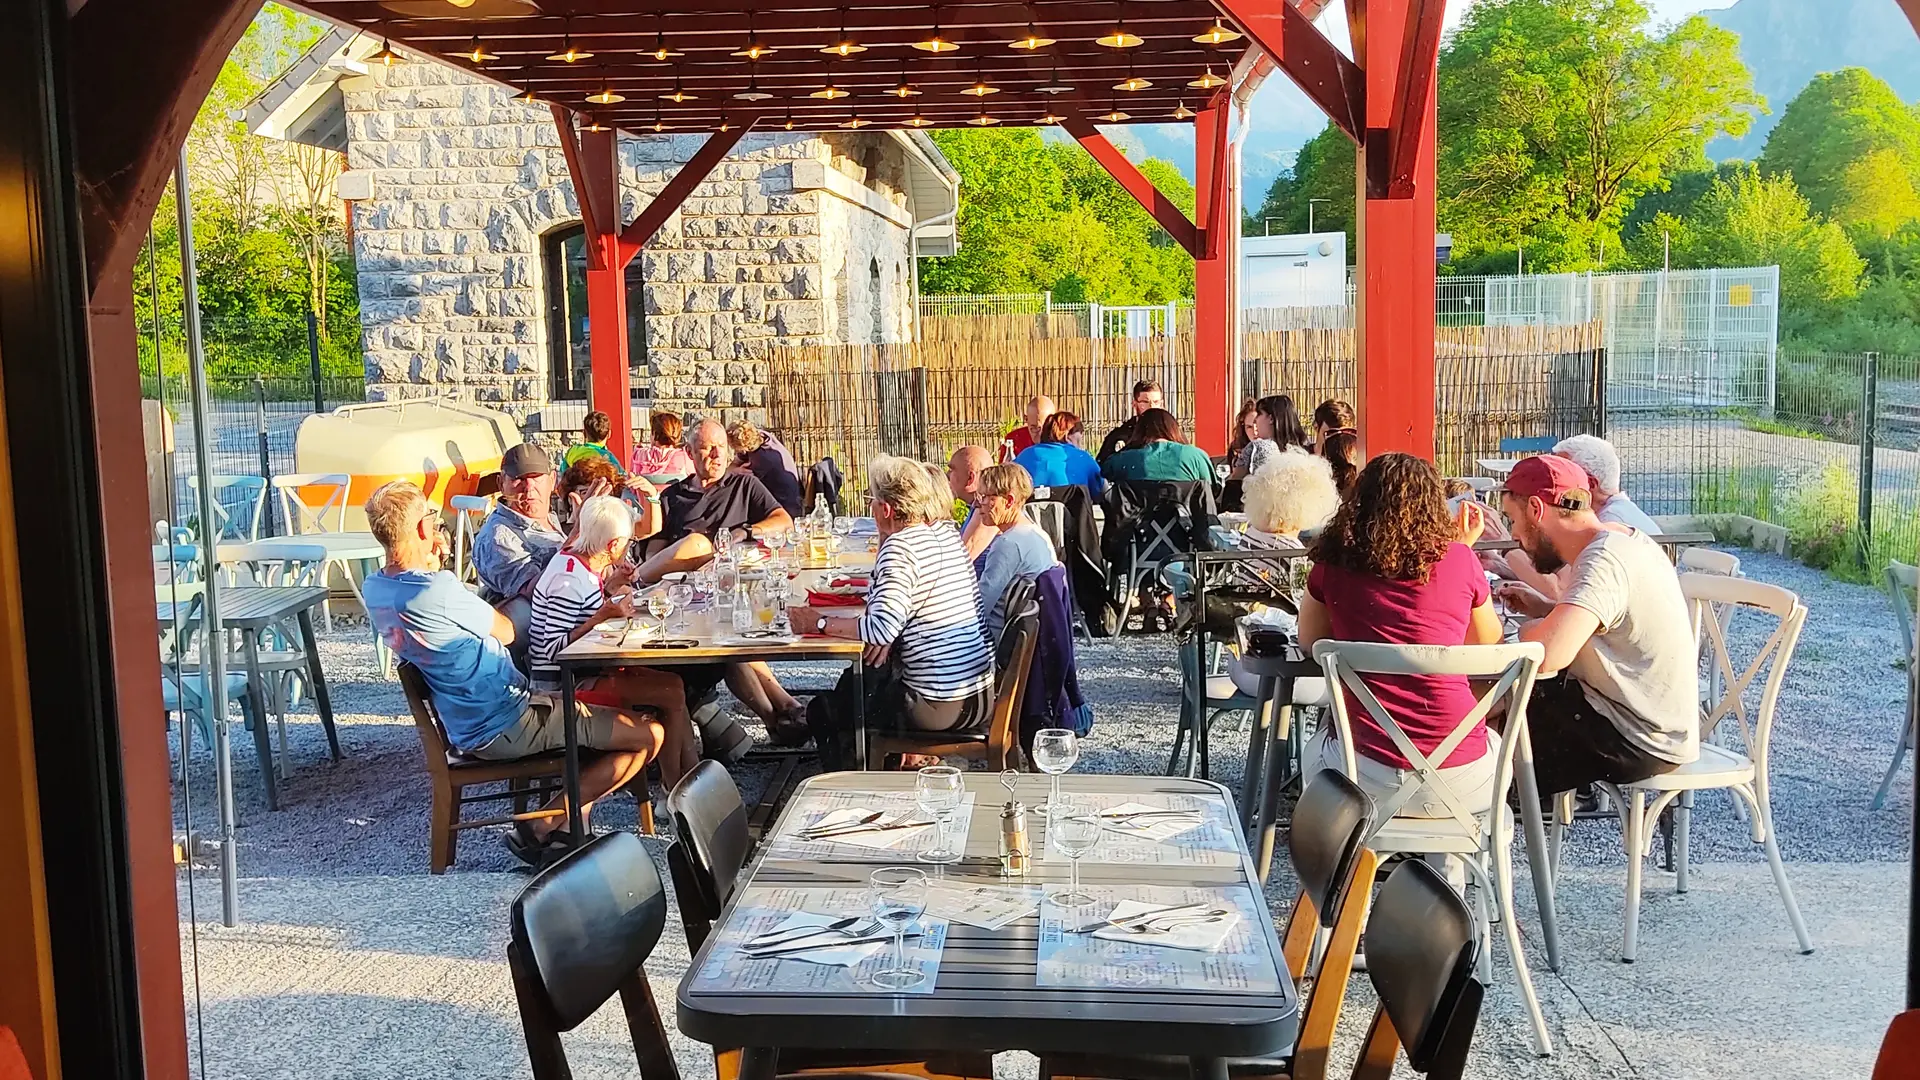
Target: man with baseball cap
point(518, 539)
point(1627, 706)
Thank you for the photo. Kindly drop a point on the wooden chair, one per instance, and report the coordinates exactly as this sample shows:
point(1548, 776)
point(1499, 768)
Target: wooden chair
point(529, 780)
point(1421, 956)
point(1336, 871)
point(999, 744)
point(581, 932)
point(705, 861)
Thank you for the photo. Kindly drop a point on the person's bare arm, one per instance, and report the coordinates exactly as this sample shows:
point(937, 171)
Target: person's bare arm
point(502, 627)
point(1563, 632)
point(1484, 627)
point(777, 522)
point(1315, 625)
point(978, 535)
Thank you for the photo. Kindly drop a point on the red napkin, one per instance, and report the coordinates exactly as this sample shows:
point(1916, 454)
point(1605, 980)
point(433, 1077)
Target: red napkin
point(851, 583)
point(830, 599)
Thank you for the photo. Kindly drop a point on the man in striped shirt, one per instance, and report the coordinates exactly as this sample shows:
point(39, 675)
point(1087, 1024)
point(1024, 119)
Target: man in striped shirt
point(927, 663)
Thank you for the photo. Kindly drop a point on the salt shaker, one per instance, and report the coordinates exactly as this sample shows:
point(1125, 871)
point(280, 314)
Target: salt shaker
point(1016, 848)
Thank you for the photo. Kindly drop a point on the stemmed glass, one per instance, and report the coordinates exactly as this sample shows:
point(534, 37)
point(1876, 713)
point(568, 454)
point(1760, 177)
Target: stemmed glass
point(1075, 831)
point(842, 528)
point(660, 605)
point(898, 895)
point(1054, 752)
point(679, 597)
point(939, 791)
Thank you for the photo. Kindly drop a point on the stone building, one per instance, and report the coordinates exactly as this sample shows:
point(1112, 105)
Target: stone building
point(468, 247)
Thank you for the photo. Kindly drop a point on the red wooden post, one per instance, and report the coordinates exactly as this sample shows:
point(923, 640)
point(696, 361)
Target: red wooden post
point(1214, 317)
point(1394, 326)
point(607, 343)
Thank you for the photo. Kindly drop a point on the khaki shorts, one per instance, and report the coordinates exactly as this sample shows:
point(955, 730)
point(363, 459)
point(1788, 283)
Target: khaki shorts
point(540, 729)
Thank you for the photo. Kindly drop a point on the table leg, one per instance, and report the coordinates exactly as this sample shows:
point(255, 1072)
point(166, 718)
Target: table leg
point(257, 703)
point(1275, 782)
point(569, 726)
point(759, 1062)
point(1208, 1068)
point(1538, 861)
point(322, 700)
point(859, 717)
point(1257, 738)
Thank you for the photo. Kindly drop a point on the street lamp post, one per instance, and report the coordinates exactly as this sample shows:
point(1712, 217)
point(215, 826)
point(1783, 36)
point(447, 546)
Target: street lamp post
point(1310, 203)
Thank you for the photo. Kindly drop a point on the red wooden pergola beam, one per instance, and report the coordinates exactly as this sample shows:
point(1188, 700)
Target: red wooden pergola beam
point(726, 17)
point(1333, 82)
point(674, 195)
point(1912, 8)
point(1130, 179)
point(590, 220)
point(141, 72)
point(1419, 51)
point(1210, 171)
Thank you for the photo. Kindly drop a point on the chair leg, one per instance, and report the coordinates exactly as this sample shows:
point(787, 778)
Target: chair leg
point(1501, 870)
point(643, 793)
point(442, 837)
point(1893, 769)
point(1682, 830)
point(1636, 837)
point(1765, 814)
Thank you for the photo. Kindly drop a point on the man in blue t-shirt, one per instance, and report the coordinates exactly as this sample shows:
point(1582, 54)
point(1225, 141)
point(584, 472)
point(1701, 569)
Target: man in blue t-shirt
point(459, 644)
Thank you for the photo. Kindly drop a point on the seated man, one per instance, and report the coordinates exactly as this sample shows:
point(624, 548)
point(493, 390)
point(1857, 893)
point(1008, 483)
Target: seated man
point(1146, 395)
point(754, 453)
point(1602, 464)
point(963, 483)
point(515, 541)
point(431, 621)
point(711, 498)
point(1628, 706)
point(1039, 407)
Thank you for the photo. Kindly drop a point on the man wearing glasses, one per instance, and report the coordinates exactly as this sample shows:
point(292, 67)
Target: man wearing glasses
point(1146, 395)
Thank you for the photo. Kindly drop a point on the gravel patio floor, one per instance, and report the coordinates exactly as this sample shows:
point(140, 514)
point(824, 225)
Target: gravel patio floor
point(351, 961)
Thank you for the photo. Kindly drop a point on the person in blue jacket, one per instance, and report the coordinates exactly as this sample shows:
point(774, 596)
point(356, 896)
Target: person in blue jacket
point(1055, 462)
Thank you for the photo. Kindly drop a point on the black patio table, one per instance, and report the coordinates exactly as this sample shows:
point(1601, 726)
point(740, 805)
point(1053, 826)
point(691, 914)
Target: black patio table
point(986, 995)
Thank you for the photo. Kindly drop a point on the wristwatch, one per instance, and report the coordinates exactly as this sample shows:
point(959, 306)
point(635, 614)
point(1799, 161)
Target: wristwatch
point(821, 626)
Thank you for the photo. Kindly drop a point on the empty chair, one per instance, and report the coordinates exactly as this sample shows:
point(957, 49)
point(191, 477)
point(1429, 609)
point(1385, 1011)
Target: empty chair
point(1528, 444)
point(313, 502)
point(580, 933)
point(1742, 772)
point(1902, 583)
point(183, 684)
point(468, 512)
point(1480, 837)
point(235, 511)
point(1336, 872)
point(1421, 956)
point(1704, 560)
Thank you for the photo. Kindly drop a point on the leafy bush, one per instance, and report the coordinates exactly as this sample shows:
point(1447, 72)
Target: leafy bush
point(1822, 394)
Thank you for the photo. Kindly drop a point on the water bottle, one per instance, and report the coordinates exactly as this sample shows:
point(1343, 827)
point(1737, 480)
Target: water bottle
point(821, 520)
point(742, 605)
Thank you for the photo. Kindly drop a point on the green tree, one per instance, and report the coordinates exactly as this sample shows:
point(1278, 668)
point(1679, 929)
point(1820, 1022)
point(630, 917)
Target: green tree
point(1761, 221)
point(1321, 178)
point(1846, 140)
point(1556, 115)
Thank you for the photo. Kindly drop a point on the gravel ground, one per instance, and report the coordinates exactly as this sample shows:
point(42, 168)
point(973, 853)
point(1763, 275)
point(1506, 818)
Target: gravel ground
point(353, 836)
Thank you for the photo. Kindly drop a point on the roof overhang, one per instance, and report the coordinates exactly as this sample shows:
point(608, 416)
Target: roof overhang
point(303, 103)
point(933, 195)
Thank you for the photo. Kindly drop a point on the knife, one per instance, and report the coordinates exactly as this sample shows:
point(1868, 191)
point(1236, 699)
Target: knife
point(869, 828)
point(805, 946)
point(838, 825)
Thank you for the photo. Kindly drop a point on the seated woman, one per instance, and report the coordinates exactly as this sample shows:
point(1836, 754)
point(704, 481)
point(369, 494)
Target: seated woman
point(1394, 566)
point(1019, 548)
point(754, 453)
point(1277, 430)
point(588, 582)
point(1244, 433)
point(1158, 453)
point(1341, 449)
point(927, 665)
point(1056, 462)
point(662, 456)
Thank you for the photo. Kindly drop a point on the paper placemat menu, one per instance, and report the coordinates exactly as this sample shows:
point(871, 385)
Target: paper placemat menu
point(889, 845)
point(761, 910)
point(1083, 961)
point(1214, 840)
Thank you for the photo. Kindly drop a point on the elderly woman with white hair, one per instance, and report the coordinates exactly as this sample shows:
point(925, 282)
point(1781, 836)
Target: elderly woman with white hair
point(927, 665)
point(588, 582)
point(1288, 494)
point(1601, 462)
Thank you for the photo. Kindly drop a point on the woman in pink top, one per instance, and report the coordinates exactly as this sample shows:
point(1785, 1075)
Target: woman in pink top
point(662, 455)
point(1391, 567)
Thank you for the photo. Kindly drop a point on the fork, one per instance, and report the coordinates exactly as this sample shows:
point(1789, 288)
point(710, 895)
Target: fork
point(1174, 922)
point(865, 929)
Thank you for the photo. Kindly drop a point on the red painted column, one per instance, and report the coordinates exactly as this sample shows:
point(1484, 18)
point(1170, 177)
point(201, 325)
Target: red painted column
point(1214, 321)
point(1394, 323)
point(607, 343)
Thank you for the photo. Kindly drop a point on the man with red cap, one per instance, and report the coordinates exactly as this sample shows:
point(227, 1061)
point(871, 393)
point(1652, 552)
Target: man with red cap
point(1627, 706)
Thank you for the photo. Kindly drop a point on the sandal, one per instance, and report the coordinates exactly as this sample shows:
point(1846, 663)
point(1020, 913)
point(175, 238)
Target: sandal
point(789, 728)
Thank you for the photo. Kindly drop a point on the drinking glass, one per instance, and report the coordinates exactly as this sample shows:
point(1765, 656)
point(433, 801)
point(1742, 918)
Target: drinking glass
point(1222, 471)
point(660, 605)
point(842, 528)
point(1054, 752)
point(939, 791)
point(679, 596)
point(765, 611)
point(704, 586)
point(1075, 831)
point(898, 895)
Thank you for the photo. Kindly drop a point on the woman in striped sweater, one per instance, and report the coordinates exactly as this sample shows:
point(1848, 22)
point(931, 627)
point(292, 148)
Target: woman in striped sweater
point(927, 663)
point(589, 581)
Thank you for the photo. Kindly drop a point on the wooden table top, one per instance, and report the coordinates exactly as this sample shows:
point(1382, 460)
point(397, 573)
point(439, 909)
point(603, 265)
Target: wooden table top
point(986, 994)
point(717, 640)
point(254, 607)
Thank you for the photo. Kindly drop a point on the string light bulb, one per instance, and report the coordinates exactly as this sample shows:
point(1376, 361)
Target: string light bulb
point(828, 92)
point(1032, 41)
point(478, 53)
point(1133, 83)
point(754, 50)
point(980, 89)
point(845, 46)
point(1183, 113)
point(917, 121)
point(569, 52)
point(905, 90)
point(1114, 117)
point(678, 95)
point(658, 123)
point(661, 51)
point(386, 57)
point(594, 124)
point(856, 122)
point(527, 96)
point(789, 124)
point(1053, 85)
point(1119, 37)
point(605, 96)
point(936, 44)
point(752, 92)
point(1207, 80)
point(1049, 118)
point(1217, 34)
point(725, 125)
point(983, 120)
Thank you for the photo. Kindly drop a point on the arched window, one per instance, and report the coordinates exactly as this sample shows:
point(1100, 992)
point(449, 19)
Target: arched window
point(876, 304)
point(569, 359)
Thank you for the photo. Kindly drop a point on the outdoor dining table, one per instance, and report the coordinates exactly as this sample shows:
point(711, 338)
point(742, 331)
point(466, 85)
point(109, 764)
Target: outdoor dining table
point(714, 642)
point(1036, 983)
point(252, 609)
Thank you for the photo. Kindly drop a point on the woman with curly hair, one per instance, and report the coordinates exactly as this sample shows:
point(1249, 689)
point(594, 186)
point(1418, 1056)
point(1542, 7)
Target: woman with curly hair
point(1394, 566)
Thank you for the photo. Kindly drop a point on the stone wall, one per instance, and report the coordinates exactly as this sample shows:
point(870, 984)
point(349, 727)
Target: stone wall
point(782, 245)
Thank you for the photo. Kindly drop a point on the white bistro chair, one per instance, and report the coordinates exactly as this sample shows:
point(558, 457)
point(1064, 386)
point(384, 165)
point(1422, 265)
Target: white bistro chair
point(235, 511)
point(1903, 582)
point(314, 505)
point(1480, 836)
point(1741, 771)
point(468, 512)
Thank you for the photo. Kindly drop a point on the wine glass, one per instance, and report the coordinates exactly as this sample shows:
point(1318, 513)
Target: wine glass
point(1075, 832)
point(679, 597)
point(660, 605)
point(898, 895)
point(842, 528)
point(1054, 752)
point(939, 791)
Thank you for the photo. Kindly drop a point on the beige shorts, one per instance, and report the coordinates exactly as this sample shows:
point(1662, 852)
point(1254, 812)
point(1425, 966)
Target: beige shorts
point(540, 729)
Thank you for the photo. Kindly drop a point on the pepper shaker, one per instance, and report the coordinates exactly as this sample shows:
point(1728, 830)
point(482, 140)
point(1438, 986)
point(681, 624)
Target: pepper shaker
point(1016, 848)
